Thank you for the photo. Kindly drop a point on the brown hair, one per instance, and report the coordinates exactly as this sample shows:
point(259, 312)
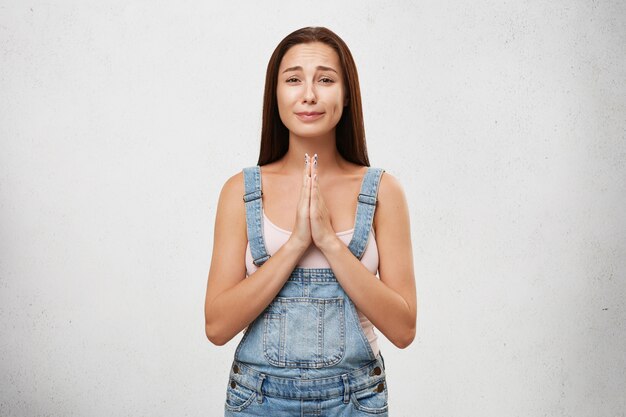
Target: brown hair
point(350, 131)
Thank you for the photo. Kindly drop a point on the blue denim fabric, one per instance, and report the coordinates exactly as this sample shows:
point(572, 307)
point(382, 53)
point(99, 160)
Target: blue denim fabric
point(306, 353)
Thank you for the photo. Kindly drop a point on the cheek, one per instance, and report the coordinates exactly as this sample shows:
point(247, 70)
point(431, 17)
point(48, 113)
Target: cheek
point(286, 96)
point(338, 111)
point(285, 103)
point(282, 101)
point(337, 106)
point(280, 94)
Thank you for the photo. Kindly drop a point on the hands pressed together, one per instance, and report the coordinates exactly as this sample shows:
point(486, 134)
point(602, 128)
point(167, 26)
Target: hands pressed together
point(312, 217)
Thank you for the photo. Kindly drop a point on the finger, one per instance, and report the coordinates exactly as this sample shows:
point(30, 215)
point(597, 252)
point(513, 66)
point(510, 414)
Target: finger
point(315, 192)
point(316, 188)
point(307, 196)
point(311, 190)
point(306, 175)
point(313, 169)
point(307, 182)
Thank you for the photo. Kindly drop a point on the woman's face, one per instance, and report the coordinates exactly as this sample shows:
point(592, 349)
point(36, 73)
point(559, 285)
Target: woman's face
point(310, 80)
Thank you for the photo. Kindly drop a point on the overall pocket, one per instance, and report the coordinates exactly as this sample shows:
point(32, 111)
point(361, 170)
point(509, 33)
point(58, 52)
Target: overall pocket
point(372, 400)
point(238, 397)
point(304, 332)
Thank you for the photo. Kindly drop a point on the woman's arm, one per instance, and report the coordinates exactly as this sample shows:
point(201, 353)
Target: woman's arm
point(232, 300)
point(390, 302)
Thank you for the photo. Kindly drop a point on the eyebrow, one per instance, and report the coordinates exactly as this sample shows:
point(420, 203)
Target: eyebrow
point(319, 67)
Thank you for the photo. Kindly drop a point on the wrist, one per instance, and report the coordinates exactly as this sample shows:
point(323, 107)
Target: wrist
point(331, 244)
point(296, 245)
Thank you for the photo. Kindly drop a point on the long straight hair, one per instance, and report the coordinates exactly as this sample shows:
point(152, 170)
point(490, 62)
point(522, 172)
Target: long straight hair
point(350, 131)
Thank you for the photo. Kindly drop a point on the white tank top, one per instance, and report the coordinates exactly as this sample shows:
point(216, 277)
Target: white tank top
point(275, 237)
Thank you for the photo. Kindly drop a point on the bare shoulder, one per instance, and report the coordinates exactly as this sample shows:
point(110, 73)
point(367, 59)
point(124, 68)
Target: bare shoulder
point(392, 204)
point(391, 194)
point(231, 209)
point(233, 186)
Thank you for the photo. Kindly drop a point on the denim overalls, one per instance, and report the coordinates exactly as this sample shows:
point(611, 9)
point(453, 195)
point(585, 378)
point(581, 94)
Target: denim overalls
point(306, 353)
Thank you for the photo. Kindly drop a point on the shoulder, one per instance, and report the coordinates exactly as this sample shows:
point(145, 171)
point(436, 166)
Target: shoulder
point(391, 199)
point(390, 189)
point(233, 185)
point(233, 190)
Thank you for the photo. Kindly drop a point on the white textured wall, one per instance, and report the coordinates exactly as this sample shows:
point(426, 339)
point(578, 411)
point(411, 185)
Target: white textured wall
point(504, 121)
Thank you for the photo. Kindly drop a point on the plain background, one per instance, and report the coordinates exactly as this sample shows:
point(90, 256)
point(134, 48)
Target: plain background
point(505, 122)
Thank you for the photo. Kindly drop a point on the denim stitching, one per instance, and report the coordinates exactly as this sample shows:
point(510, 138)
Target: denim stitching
point(320, 303)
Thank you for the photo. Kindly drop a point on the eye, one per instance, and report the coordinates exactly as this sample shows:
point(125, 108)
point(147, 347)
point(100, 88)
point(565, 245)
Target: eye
point(294, 79)
point(326, 80)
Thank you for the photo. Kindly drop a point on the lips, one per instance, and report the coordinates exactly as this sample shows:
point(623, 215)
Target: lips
point(309, 116)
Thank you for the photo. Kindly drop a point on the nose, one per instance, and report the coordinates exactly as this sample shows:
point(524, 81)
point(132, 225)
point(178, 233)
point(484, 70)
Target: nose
point(309, 94)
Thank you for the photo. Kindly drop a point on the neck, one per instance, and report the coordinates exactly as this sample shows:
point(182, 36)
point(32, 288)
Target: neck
point(328, 158)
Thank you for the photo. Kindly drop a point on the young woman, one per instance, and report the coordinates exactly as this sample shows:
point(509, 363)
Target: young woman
point(295, 262)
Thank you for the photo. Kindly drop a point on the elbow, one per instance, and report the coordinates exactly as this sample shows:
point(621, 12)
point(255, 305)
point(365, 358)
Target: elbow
point(407, 336)
point(406, 339)
point(213, 335)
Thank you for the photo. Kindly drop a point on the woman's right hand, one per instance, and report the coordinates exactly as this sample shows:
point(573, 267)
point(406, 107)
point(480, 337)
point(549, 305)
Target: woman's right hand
point(302, 230)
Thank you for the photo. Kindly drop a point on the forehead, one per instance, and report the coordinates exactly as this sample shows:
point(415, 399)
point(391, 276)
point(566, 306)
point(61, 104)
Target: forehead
point(310, 54)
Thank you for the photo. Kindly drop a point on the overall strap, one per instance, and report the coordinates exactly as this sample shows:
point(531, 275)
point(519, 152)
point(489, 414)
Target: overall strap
point(366, 207)
point(254, 214)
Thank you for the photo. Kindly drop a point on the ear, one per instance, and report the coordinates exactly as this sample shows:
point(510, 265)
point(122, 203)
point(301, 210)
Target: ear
point(346, 100)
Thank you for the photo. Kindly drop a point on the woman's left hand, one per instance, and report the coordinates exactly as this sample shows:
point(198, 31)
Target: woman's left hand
point(322, 231)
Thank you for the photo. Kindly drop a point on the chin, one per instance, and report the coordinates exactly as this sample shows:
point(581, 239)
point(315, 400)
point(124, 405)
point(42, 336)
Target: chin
point(309, 133)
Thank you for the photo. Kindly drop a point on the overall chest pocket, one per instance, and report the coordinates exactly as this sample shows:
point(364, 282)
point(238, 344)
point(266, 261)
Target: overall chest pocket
point(304, 332)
